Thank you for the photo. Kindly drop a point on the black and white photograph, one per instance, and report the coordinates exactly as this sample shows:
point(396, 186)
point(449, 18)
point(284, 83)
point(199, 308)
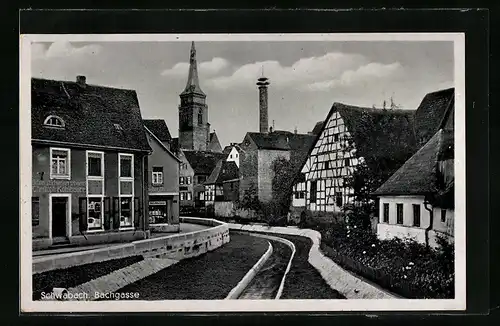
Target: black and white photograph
point(242, 172)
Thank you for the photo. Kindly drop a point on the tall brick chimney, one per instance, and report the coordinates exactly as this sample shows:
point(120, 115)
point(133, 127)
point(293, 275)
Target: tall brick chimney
point(262, 83)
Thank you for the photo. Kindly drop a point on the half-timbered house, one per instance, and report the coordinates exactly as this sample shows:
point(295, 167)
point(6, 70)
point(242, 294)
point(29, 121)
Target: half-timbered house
point(348, 137)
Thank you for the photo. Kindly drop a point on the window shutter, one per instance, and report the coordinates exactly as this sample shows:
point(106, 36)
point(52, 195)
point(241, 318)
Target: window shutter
point(83, 213)
point(116, 213)
point(137, 212)
point(107, 214)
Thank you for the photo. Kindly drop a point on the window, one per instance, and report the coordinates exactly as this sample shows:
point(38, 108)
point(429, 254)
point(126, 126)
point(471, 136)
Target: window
point(126, 191)
point(183, 196)
point(231, 156)
point(399, 213)
point(443, 215)
point(416, 215)
point(386, 213)
point(181, 180)
point(157, 177)
point(188, 196)
point(54, 121)
point(200, 117)
point(314, 189)
point(126, 216)
point(336, 137)
point(347, 162)
point(94, 213)
point(35, 211)
point(188, 180)
point(201, 178)
point(60, 163)
point(338, 199)
point(327, 165)
point(125, 166)
point(95, 164)
point(236, 155)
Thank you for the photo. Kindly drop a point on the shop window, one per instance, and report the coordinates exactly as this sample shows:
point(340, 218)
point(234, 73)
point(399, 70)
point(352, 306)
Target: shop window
point(94, 213)
point(126, 212)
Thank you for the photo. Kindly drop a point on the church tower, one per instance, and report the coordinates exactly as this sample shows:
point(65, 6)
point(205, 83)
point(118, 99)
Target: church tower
point(194, 128)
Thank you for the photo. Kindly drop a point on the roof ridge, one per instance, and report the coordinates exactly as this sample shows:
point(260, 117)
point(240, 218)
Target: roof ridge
point(91, 85)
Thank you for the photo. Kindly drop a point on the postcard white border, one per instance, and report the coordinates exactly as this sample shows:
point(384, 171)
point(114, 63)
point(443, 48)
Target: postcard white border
point(28, 305)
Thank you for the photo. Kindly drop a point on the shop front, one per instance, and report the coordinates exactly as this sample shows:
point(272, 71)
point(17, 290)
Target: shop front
point(163, 216)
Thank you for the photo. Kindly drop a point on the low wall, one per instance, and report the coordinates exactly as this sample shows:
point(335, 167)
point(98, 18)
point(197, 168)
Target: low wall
point(111, 237)
point(164, 228)
point(337, 278)
point(177, 246)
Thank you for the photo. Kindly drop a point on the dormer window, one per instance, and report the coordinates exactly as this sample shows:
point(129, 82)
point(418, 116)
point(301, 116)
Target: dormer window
point(54, 121)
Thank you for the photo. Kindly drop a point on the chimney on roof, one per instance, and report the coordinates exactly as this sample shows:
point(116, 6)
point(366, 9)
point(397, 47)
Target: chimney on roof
point(262, 83)
point(81, 81)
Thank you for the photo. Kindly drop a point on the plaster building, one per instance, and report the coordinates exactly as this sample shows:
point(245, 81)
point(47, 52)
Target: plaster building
point(89, 164)
point(163, 180)
point(417, 201)
point(233, 152)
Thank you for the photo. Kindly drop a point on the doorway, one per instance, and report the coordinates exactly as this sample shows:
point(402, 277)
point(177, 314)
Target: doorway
point(60, 213)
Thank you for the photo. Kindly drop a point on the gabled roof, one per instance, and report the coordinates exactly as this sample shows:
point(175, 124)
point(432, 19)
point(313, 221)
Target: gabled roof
point(162, 145)
point(431, 112)
point(419, 175)
point(203, 162)
point(223, 171)
point(95, 116)
point(381, 136)
point(174, 144)
point(317, 127)
point(159, 128)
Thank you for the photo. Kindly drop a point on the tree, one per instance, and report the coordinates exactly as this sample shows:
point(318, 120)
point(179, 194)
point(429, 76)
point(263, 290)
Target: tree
point(282, 185)
point(250, 199)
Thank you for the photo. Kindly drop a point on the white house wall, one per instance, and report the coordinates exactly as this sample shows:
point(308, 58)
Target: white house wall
point(391, 229)
point(234, 156)
point(330, 176)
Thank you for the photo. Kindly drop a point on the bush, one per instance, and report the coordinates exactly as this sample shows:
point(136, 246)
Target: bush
point(406, 267)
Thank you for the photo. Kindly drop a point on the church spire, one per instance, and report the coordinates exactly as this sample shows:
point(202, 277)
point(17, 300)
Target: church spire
point(193, 85)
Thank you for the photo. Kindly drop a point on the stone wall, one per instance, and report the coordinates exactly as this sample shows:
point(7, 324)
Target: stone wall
point(178, 246)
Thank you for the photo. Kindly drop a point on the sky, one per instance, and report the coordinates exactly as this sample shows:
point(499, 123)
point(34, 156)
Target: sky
point(306, 77)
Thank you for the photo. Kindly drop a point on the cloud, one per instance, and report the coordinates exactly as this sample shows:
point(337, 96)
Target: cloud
point(210, 68)
point(373, 72)
point(305, 70)
point(63, 50)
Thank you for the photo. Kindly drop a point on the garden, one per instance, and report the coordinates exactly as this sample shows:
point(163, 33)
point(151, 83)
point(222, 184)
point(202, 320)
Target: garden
point(404, 267)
